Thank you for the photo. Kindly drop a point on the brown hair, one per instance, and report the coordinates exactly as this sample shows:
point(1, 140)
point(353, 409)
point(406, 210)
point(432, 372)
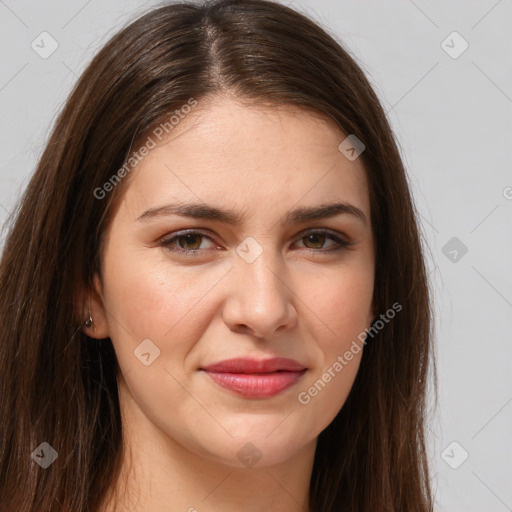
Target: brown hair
point(58, 385)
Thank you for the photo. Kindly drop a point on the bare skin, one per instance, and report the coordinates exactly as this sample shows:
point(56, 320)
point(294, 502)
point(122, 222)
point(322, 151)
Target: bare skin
point(183, 432)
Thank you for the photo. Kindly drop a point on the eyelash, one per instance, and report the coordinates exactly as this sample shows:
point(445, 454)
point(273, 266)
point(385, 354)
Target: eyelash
point(167, 243)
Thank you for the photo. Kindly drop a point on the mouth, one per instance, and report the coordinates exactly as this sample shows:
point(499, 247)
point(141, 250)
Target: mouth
point(251, 378)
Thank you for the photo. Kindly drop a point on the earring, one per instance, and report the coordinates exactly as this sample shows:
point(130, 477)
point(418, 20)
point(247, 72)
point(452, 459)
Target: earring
point(88, 322)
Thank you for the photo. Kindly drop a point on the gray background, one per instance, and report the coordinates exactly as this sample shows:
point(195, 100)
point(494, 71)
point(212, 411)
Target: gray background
point(452, 117)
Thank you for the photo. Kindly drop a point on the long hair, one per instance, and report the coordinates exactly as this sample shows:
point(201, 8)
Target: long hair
point(58, 386)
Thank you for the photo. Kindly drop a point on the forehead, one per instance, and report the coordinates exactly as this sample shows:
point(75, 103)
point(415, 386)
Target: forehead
point(226, 152)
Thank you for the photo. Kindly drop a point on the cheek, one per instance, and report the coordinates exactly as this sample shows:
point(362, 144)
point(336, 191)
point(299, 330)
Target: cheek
point(322, 397)
point(158, 301)
point(341, 301)
point(339, 308)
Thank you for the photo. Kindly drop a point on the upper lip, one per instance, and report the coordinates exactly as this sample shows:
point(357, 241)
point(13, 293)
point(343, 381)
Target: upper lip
point(247, 365)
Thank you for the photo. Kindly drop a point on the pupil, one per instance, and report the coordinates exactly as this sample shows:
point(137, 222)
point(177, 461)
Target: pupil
point(188, 240)
point(317, 237)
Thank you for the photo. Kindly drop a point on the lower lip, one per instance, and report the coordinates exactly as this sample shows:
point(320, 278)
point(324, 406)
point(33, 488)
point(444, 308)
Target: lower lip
point(252, 385)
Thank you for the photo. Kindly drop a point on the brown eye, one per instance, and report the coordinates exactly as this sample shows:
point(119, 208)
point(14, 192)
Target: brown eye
point(315, 240)
point(187, 243)
point(193, 240)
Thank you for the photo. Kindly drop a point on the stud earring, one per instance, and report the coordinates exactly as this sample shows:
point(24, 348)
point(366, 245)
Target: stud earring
point(88, 322)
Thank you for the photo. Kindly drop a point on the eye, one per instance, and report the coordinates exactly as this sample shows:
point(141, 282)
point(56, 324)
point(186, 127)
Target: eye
point(189, 242)
point(317, 238)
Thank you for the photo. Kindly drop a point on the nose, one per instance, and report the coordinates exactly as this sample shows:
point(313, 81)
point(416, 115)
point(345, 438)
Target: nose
point(260, 301)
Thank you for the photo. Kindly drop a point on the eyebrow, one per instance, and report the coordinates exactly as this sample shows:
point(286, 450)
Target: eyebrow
point(297, 216)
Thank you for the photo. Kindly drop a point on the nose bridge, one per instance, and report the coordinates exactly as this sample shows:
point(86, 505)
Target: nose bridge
point(261, 299)
point(259, 269)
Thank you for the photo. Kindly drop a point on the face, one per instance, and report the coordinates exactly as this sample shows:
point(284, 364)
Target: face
point(256, 278)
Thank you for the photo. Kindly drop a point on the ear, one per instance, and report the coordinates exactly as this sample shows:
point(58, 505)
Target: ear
point(91, 300)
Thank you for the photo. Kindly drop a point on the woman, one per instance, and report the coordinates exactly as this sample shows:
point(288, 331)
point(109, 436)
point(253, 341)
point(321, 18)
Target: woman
point(213, 291)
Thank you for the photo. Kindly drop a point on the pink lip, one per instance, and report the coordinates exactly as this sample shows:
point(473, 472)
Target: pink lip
point(253, 378)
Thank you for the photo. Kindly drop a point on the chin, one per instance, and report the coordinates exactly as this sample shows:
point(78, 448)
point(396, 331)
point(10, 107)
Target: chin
point(260, 450)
